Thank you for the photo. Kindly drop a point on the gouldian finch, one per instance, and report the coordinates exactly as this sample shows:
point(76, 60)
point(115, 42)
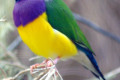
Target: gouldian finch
point(49, 29)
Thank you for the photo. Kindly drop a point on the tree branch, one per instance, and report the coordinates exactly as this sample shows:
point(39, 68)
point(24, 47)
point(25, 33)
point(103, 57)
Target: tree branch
point(14, 44)
point(8, 53)
point(96, 27)
point(13, 64)
point(3, 72)
point(111, 75)
point(44, 73)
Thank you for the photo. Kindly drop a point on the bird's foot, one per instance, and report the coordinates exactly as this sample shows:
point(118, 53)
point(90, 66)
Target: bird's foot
point(35, 66)
point(45, 64)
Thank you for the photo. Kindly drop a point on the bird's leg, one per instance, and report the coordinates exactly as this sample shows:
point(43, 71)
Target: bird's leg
point(51, 62)
point(44, 64)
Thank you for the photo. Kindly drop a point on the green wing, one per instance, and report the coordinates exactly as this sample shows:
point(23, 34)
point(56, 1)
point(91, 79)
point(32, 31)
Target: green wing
point(61, 19)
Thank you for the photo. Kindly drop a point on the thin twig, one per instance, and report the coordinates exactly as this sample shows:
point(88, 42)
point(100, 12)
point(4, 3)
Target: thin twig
point(51, 73)
point(34, 58)
point(20, 73)
point(41, 77)
point(8, 52)
point(111, 75)
point(12, 56)
point(13, 64)
point(3, 72)
point(37, 70)
point(47, 73)
point(17, 75)
point(59, 75)
point(96, 28)
point(14, 44)
point(54, 76)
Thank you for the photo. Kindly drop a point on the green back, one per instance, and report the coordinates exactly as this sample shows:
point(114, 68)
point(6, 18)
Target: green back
point(61, 19)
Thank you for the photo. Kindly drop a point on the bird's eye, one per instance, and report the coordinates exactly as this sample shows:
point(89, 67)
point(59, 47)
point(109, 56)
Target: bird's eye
point(17, 0)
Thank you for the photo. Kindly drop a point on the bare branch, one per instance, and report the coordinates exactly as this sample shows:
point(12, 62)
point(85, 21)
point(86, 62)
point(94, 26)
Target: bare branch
point(8, 53)
point(17, 75)
point(20, 73)
point(42, 75)
point(14, 44)
point(34, 58)
point(3, 72)
point(11, 55)
point(111, 75)
point(45, 73)
point(96, 28)
point(13, 64)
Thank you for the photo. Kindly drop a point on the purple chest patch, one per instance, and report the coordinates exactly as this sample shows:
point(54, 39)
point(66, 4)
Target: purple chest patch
point(26, 11)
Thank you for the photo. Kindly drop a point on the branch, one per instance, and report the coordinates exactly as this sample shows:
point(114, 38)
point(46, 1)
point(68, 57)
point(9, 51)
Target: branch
point(45, 73)
point(14, 44)
point(3, 72)
point(96, 28)
point(111, 75)
point(20, 73)
point(35, 58)
point(17, 75)
point(8, 53)
point(13, 57)
point(13, 64)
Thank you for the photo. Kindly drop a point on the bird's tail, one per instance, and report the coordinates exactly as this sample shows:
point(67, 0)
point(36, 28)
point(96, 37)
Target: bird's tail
point(86, 58)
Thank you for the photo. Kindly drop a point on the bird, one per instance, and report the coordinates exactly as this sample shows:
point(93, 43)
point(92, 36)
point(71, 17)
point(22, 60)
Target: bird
point(49, 29)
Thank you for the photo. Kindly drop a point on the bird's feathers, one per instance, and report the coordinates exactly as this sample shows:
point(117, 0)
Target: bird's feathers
point(61, 18)
point(89, 61)
point(26, 11)
point(44, 41)
point(36, 30)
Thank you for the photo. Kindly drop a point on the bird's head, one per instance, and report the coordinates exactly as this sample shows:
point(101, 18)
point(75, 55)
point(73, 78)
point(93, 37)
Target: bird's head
point(26, 11)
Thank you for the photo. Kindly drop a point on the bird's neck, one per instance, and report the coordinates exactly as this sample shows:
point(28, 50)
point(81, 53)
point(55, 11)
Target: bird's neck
point(44, 15)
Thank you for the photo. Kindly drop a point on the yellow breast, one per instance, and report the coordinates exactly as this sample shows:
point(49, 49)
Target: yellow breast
point(40, 37)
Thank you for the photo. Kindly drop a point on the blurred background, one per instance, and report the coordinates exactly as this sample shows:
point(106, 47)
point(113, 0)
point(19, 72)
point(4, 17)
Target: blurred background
point(105, 13)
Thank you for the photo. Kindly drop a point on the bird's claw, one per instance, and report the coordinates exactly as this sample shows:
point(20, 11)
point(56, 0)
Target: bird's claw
point(44, 64)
